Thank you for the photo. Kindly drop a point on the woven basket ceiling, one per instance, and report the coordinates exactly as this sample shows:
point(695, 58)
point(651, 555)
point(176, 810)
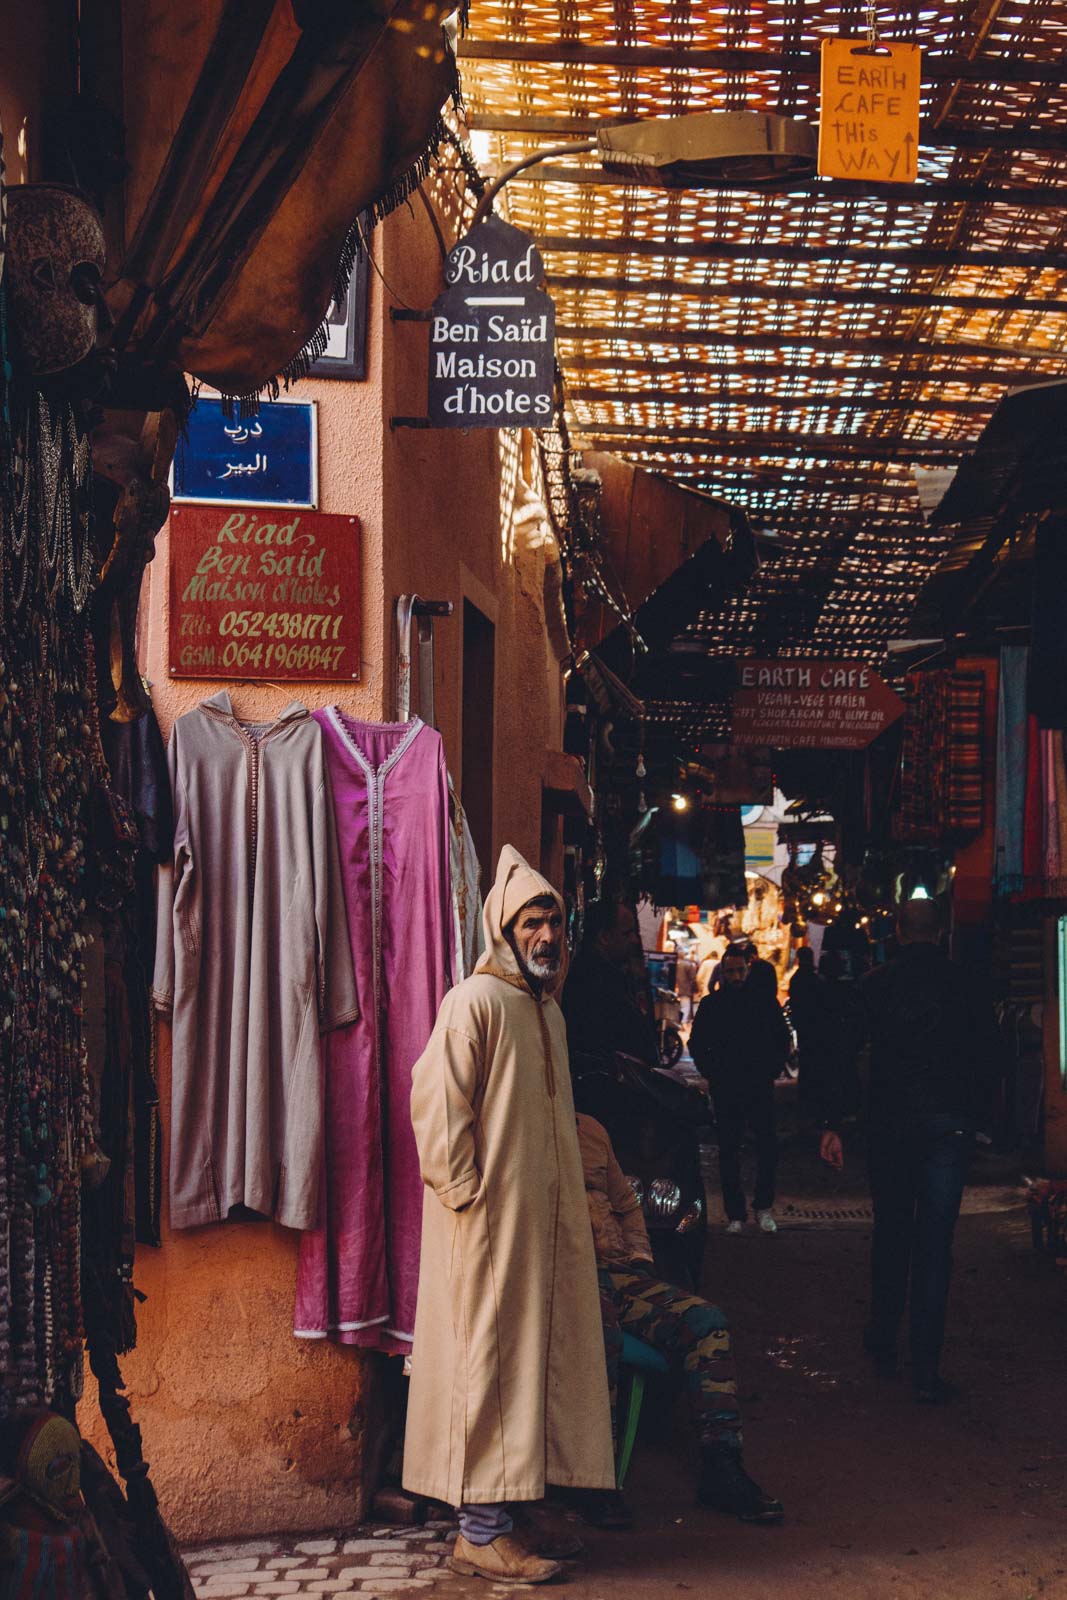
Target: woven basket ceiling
point(796, 353)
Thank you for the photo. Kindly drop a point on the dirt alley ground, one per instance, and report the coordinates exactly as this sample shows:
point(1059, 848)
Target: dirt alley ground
point(885, 1500)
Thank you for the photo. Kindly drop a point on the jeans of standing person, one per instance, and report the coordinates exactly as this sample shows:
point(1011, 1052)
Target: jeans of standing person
point(734, 1112)
point(480, 1525)
point(690, 1332)
point(917, 1178)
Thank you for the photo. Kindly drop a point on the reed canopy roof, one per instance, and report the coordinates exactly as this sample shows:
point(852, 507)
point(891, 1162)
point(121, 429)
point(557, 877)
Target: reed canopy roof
point(809, 353)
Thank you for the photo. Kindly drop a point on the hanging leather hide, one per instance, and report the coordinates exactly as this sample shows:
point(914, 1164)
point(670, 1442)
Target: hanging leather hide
point(264, 130)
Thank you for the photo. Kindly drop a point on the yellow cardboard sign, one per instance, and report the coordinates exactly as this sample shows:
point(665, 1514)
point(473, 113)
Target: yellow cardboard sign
point(869, 111)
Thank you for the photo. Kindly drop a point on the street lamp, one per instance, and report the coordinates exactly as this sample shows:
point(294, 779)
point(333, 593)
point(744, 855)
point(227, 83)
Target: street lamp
point(702, 150)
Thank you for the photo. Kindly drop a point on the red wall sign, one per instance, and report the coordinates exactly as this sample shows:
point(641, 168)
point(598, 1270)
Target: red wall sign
point(811, 705)
point(263, 593)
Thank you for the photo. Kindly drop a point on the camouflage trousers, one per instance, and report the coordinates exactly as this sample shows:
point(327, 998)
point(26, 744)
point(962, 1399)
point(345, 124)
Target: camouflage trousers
point(691, 1333)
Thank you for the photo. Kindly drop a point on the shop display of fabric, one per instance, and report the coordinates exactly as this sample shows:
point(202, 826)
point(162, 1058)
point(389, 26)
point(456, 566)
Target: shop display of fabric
point(358, 1271)
point(1047, 682)
point(942, 786)
point(252, 962)
point(964, 800)
point(923, 757)
point(1010, 769)
point(137, 761)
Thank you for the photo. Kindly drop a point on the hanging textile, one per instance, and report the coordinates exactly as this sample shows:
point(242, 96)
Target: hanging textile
point(252, 962)
point(973, 886)
point(964, 801)
point(1011, 769)
point(358, 1272)
point(923, 757)
point(1047, 686)
point(256, 134)
point(942, 788)
point(137, 760)
point(468, 938)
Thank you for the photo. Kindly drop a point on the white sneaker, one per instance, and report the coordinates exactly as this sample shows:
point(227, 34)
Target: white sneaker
point(735, 1227)
point(766, 1221)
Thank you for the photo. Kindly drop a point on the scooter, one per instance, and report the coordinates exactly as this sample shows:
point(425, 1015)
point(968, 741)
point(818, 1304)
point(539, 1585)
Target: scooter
point(655, 1124)
point(667, 1009)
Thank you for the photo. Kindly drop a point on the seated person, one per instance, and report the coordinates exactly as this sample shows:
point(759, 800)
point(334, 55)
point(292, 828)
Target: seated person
point(691, 1333)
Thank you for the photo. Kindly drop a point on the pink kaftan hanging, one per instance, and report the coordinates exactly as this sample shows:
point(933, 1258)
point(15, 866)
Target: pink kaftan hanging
point(358, 1274)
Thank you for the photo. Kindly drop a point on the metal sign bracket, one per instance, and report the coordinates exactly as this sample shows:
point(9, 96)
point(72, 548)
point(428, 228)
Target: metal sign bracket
point(411, 606)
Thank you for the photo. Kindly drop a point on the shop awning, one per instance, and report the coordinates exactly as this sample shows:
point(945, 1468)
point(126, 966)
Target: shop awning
point(256, 133)
point(1017, 472)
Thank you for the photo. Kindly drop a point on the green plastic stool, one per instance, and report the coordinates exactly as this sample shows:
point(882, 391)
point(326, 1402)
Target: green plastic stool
point(639, 1360)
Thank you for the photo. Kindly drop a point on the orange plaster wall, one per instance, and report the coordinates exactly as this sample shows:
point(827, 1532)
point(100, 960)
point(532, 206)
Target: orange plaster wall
point(248, 1430)
point(448, 512)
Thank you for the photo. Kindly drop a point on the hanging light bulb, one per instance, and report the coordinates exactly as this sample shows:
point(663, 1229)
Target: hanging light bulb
point(680, 802)
point(818, 898)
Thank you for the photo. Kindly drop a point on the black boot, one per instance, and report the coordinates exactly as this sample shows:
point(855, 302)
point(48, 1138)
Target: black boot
point(726, 1486)
point(599, 1508)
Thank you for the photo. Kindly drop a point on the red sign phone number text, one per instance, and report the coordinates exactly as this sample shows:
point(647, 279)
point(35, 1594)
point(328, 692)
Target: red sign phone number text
point(287, 657)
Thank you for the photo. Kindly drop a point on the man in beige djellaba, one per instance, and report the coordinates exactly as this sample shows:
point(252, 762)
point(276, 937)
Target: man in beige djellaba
point(508, 1381)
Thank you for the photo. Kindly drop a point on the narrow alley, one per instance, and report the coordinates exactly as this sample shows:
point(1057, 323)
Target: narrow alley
point(533, 800)
point(885, 1500)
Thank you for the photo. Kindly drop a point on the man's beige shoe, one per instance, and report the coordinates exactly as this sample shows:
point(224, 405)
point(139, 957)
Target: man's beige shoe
point(506, 1560)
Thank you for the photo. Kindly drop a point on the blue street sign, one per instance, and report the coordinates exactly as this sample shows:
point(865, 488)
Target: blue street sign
point(268, 460)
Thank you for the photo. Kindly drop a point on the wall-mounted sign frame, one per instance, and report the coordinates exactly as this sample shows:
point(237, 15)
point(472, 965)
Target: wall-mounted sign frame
point(264, 596)
point(345, 355)
point(809, 704)
point(492, 334)
point(271, 459)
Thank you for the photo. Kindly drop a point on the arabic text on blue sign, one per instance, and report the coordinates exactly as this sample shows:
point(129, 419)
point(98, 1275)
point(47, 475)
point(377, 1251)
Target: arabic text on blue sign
point(269, 459)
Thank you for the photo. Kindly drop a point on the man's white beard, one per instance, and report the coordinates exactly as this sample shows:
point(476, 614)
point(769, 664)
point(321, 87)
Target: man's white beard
point(544, 970)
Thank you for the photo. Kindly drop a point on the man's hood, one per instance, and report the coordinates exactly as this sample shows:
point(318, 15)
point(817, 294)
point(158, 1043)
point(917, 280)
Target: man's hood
point(516, 883)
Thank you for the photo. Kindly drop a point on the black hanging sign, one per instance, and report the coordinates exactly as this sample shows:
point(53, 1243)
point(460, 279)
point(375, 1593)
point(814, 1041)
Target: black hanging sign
point(492, 334)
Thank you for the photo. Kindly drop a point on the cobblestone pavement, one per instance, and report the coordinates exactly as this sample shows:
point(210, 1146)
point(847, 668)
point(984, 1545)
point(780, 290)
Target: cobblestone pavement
point(371, 1561)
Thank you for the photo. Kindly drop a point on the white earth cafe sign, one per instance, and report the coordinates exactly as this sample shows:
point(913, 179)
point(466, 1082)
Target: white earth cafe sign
point(492, 334)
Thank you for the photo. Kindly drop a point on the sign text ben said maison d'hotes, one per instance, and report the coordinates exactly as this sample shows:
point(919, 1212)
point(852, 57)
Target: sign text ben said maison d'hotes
point(492, 334)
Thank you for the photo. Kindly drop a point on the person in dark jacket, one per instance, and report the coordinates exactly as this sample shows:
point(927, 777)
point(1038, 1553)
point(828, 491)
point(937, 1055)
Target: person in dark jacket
point(820, 1010)
point(932, 1044)
point(762, 974)
point(602, 1014)
point(740, 1042)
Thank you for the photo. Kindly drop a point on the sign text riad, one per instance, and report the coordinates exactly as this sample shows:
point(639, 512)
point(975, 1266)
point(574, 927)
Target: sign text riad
point(263, 595)
point(492, 334)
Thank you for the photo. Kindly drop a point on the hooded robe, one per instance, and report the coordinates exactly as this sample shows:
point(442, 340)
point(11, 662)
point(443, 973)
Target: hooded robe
point(509, 1382)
